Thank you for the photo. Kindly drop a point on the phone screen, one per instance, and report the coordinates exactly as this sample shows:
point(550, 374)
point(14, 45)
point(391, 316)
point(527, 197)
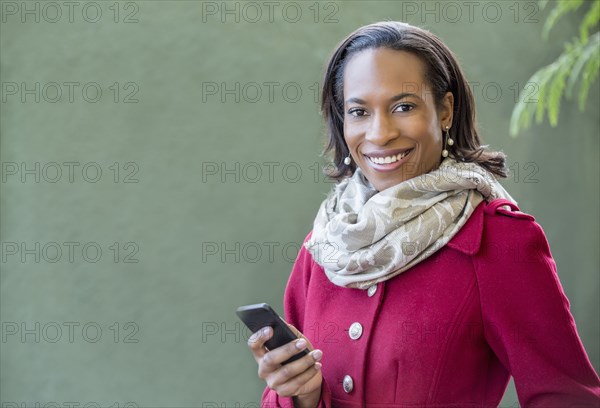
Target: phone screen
point(260, 315)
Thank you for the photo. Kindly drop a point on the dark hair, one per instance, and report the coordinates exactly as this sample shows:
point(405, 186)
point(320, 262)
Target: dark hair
point(442, 74)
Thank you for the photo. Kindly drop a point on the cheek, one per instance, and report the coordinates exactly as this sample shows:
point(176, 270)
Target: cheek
point(429, 142)
point(431, 151)
point(426, 136)
point(351, 135)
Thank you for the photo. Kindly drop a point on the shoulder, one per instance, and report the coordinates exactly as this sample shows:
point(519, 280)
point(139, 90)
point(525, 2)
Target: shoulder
point(505, 208)
point(499, 222)
point(504, 217)
point(507, 230)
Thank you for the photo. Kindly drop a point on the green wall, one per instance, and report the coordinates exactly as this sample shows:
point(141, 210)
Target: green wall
point(150, 320)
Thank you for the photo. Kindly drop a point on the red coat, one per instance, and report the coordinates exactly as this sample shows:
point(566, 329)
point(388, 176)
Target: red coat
point(450, 331)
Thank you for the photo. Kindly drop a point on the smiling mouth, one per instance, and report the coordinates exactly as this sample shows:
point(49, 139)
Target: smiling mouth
point(388, 159)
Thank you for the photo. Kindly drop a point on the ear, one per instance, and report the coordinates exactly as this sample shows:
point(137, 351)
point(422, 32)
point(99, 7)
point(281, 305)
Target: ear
point(446, 110)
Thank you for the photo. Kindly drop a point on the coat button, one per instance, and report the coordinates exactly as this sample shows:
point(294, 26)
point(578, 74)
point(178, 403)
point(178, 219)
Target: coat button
point(348, 384)
point(355, 331)
point(372, 289)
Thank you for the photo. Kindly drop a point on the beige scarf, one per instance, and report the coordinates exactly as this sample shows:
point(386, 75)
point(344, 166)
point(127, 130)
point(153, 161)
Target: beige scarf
point(362, 236)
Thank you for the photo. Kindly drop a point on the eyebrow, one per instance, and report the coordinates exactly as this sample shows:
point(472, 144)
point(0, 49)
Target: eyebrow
point(392, 99)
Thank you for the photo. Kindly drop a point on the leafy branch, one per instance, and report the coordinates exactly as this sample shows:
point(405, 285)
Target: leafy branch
point(579, 60)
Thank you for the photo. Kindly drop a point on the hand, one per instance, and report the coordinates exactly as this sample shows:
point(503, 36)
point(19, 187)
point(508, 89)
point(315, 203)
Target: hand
point(301, 378)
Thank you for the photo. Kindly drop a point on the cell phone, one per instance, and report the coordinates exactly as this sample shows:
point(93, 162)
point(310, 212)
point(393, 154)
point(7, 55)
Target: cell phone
point(260, 315)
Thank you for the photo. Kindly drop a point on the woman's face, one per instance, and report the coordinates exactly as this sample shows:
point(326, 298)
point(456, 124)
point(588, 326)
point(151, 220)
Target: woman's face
point(391, 124)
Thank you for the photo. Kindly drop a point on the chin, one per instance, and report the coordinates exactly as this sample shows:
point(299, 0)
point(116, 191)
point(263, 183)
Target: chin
point(381, 185)
point(383, 181)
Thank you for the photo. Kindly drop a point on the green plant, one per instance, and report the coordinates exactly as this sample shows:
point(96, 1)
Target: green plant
point(579, 61)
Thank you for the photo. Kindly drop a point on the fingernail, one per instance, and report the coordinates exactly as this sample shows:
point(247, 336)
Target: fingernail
point(300, 344)
point(265, 331)
point(318, 366)
point(317, 354)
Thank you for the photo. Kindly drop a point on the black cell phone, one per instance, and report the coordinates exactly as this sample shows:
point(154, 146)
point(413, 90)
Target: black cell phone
point(260, 315)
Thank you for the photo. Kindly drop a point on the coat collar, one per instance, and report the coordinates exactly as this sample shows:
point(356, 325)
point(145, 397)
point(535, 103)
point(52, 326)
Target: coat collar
point(468, 238)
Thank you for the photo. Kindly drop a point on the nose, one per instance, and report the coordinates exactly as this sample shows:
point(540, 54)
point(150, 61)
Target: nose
point(382, 129)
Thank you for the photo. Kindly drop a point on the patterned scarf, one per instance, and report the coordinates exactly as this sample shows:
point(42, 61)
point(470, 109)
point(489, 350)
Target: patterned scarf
point(362, 236)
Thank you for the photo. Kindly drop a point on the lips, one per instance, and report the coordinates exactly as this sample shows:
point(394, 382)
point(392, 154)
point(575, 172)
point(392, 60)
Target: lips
point(387, 160)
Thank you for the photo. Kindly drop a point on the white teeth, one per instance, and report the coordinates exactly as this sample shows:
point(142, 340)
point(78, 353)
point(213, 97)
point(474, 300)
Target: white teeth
point(388, 159)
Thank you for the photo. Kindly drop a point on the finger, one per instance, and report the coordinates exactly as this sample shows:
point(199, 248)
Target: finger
point(273, 359)
point(283, 373)
point(300, 383)
point(300, 335)
point(256, 342)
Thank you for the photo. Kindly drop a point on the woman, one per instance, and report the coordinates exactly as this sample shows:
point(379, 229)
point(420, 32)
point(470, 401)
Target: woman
point(421, 283)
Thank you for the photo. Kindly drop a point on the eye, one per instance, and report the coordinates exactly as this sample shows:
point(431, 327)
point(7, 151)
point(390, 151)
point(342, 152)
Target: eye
point(404, 107)
point(352, 112)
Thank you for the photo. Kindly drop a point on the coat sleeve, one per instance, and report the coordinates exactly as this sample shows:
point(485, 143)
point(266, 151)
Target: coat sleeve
point(294, 302)
point(527, 321)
